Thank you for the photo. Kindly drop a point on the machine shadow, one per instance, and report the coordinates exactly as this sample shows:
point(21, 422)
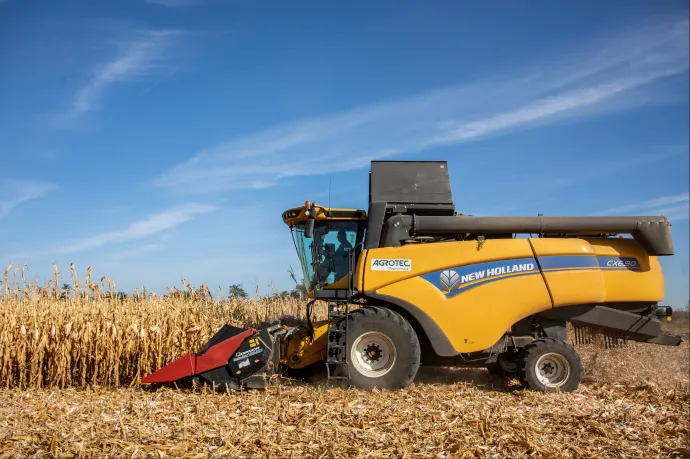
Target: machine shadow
point(477, 378)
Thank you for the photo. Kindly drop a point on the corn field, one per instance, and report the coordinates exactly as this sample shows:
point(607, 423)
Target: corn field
point(93, 336)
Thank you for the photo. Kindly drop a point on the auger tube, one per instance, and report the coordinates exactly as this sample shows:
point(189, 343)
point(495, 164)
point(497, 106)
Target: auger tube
point(652, 232)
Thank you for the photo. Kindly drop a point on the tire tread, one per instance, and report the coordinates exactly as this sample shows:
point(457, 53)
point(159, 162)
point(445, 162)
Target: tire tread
point(532, 350)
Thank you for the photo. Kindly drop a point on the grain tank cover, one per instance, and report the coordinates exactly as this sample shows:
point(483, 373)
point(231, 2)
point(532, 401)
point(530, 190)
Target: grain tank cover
point(422, 187)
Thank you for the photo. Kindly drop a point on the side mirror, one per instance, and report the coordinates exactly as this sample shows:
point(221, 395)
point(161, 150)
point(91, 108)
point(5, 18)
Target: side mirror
point(309, 228)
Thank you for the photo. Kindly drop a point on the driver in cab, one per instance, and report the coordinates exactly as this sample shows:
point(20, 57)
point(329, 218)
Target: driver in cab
point(341, 255)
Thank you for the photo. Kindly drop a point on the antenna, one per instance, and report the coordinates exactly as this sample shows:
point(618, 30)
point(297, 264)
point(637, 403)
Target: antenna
point(329, 192)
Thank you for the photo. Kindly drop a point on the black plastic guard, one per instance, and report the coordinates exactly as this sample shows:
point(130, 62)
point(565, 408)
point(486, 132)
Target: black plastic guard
point(226, 331)
point(221, 378)
point(252, 355)
point(666, 340)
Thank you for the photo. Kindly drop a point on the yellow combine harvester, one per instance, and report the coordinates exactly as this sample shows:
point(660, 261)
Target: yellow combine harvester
point(411, 282)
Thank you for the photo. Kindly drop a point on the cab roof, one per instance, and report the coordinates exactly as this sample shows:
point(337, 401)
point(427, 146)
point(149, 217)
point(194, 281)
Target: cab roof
point(298, 214)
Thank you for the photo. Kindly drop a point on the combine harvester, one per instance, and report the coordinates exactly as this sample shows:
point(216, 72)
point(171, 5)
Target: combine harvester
point(411, 282)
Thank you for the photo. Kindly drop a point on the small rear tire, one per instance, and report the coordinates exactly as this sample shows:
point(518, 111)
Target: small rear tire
point(383, 349)
point(550, 365)
point(505, 365)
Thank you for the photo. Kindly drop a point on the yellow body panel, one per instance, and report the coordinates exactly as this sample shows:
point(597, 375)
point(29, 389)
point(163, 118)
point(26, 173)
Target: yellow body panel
point(581, 273)
point(359, 272)
point(299, 351)
point(645, 284)
point(569, 284)
point(475, 292)
point(476, 318)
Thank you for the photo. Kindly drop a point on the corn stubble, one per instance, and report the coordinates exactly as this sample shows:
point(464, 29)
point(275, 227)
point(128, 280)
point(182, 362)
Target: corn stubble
point(67, 366)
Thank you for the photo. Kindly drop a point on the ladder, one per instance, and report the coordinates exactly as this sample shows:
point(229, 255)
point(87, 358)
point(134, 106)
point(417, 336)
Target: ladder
point(336, 345)
point(338, 317)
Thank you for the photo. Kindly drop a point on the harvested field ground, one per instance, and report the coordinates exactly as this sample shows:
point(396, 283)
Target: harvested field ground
point(623, 409)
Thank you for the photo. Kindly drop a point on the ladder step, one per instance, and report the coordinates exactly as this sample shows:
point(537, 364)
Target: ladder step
point(337, 336)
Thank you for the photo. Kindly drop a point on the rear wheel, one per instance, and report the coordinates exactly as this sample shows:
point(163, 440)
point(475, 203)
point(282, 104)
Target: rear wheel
point(383, 349)
point(505, 365)
point(550, 365)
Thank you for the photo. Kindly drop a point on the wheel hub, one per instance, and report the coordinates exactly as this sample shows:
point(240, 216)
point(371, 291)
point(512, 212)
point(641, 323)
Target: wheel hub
point(373, 354)
point(552, 369)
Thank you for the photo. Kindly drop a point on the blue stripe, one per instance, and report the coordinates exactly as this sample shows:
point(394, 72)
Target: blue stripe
point(453, 281)
point(568, 261)
point(555, 270)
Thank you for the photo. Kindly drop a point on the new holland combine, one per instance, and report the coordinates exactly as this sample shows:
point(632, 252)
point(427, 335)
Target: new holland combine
point(411, 282)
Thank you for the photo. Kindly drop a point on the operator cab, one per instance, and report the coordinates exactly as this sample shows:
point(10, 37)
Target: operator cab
point(328, 242)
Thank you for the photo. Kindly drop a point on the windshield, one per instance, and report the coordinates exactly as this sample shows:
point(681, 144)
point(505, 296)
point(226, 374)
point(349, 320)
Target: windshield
point(325, 257)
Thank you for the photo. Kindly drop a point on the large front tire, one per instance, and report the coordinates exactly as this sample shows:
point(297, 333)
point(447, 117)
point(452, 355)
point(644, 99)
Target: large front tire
point(550, 365)
point(383, 349)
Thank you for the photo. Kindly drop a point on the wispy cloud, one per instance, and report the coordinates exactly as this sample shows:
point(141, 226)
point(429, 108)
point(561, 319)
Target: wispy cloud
point(17, 192)
point(446, 117)
point(154, 224)
point(673, 207)
point(146, 53)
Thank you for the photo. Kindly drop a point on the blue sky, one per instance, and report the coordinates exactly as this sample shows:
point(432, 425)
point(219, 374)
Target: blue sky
point(160, 140)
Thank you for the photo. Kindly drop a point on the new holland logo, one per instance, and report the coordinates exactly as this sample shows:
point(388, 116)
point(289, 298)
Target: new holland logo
point(449, 280)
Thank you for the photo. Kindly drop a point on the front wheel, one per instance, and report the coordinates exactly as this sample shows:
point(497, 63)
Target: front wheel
point(550, 365)
point(383, 349)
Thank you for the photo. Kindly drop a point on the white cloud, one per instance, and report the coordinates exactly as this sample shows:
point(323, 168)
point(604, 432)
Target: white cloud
point(154, 224)
point(650, 204)
point(140, 56)
point(17, 192)
point(673, 207)
point(449, 116)
point(675, 213)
